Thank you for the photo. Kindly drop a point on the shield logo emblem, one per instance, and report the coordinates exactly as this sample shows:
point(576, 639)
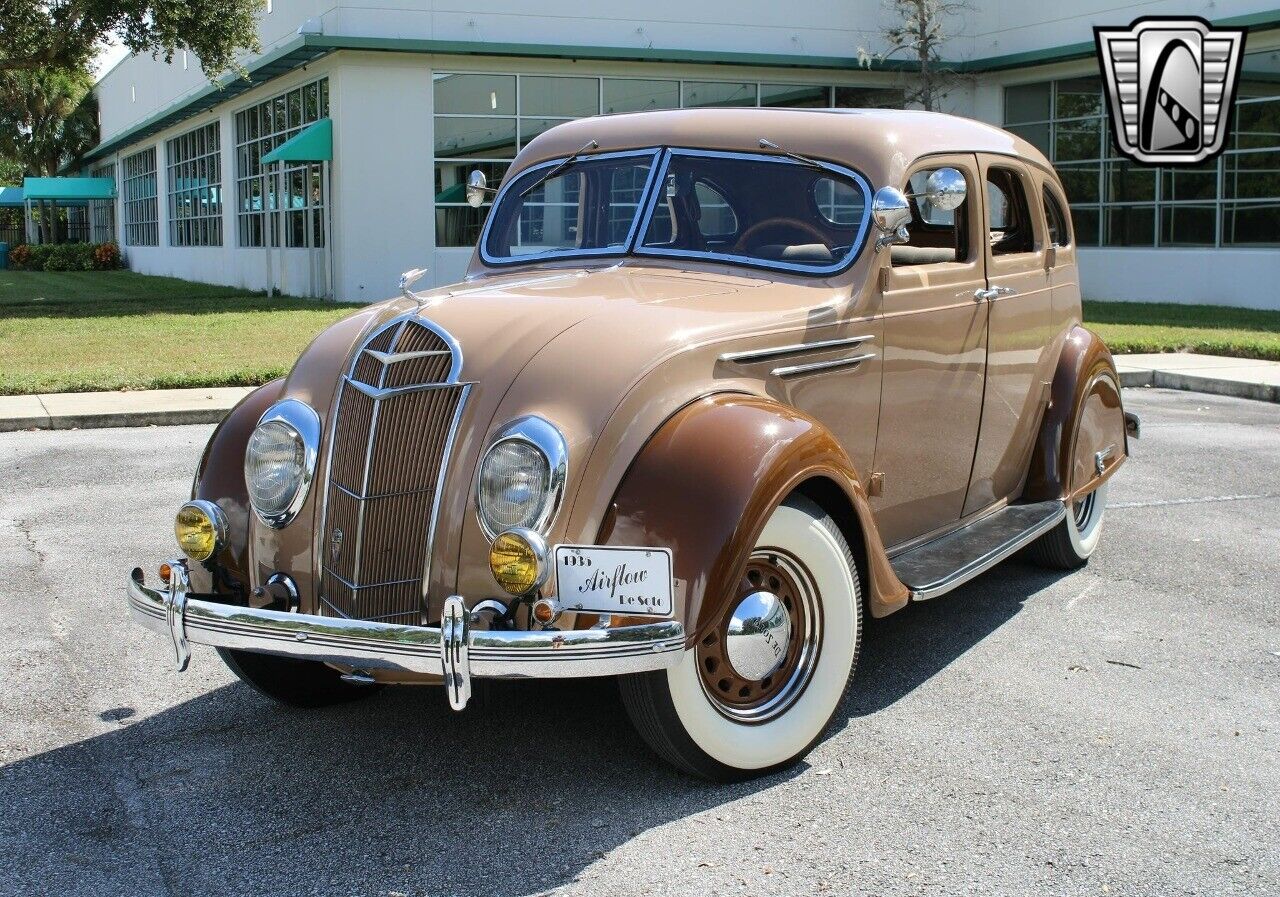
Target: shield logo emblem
point(335, 545)
point(1171, 83)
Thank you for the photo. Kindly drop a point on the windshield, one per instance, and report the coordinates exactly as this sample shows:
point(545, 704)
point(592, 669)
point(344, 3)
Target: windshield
point(764, 211)
point(588, 208)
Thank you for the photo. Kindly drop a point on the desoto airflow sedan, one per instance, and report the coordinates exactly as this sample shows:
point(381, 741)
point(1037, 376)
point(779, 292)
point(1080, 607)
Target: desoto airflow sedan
point(717, 385)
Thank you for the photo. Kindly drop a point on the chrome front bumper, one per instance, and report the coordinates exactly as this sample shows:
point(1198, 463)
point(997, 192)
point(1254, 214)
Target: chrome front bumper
point(455, 650)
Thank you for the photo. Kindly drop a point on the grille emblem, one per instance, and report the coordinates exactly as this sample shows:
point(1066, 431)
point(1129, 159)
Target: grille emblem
point(335, 545)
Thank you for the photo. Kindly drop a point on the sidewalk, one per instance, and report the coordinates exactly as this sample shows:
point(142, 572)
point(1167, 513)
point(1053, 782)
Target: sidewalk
point(1241, 378)
point(144, 408)
point(1238, 377)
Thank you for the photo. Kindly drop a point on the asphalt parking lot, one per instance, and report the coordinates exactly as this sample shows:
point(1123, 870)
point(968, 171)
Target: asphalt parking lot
point(1113, 731)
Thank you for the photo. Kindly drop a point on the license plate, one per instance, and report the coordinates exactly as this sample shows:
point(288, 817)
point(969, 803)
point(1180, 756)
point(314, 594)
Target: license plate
point(614, 580)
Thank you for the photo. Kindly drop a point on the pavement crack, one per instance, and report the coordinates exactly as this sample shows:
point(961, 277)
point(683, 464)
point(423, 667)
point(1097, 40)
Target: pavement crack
point(24, 527)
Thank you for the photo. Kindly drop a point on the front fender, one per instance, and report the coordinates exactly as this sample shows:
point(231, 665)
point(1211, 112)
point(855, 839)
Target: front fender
point(220, 479)
point(1085, 417)
point(705, 484)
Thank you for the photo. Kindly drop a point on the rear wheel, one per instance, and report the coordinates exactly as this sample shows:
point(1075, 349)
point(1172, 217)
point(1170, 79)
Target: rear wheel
point(1069, 544)
point(761, 687)
point(298, 683)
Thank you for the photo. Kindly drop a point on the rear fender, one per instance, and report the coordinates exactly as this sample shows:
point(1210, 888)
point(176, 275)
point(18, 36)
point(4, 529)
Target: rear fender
point(1083, 439)
point(707, 481)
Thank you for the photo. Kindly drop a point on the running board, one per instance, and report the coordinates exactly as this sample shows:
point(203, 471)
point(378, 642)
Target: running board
point(941, 565)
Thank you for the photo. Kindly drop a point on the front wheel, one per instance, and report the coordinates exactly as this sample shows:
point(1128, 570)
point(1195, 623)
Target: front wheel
point(298, 683)
point(1068, 545)
point(762, 685)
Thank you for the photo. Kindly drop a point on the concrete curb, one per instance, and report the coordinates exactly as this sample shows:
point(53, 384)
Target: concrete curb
point(95, 410)
point(1236, 389)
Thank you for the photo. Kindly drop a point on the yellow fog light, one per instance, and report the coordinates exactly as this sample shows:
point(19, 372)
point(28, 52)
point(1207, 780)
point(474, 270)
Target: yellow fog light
point(200, 529)
point(518, 559)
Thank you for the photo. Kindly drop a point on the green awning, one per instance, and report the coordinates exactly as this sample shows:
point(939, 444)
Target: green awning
point(455, 193)
point(314, 144)
point(10, 197)
point(68, 188)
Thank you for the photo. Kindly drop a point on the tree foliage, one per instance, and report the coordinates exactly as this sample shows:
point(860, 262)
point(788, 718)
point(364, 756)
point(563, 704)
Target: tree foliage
point(48, 117)
point(40, 34)
point(918, 32)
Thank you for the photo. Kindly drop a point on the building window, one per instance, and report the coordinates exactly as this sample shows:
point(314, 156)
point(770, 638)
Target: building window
point(194, 165)
point(102, 212)
point(1231, 201)
point(483, 120)
point(138, 199)
point(299, 190)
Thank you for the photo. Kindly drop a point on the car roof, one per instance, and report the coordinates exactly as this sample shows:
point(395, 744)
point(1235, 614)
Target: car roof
point(879, 142)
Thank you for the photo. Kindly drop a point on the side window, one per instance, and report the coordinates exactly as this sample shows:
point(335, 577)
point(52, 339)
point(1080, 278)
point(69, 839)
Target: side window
point(1056, 220)
point(1009, 226)
point(937, 235)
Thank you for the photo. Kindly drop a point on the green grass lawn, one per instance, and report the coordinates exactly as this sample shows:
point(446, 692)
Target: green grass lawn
point(1128, 327)
point(91, 330)
point(96, 330)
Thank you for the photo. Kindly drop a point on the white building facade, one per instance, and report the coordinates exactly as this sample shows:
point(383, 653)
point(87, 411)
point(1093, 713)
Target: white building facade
point(419, 95)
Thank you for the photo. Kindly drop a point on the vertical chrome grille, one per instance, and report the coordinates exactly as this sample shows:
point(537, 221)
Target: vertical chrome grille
point(398, 409)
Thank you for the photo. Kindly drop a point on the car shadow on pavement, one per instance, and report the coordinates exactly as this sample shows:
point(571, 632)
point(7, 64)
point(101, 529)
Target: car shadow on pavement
point(227, 793)
point(906, 649)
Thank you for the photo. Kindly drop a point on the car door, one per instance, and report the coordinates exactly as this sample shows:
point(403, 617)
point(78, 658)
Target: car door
point(1021, 330)
point(934, 359)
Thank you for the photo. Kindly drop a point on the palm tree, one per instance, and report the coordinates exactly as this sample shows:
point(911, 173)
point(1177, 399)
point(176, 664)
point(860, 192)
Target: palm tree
point(48, 119)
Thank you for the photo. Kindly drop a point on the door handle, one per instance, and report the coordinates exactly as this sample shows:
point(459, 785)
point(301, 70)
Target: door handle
point(994, 292)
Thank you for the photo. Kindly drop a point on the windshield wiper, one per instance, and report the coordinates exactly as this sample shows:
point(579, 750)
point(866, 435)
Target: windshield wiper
point(589, 145)
point(796, 157)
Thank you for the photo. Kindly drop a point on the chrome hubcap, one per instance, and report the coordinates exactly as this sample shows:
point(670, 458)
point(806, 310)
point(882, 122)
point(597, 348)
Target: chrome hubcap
point(757, 636)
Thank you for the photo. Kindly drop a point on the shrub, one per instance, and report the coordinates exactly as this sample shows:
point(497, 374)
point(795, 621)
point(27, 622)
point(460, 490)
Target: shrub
point(65, 257)
point(106, 256)
point(20, 257)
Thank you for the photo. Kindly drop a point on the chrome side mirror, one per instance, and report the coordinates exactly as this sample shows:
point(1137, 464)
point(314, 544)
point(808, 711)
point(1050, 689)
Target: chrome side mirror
point(891, 214)
point(477, 187)
point(946, 189)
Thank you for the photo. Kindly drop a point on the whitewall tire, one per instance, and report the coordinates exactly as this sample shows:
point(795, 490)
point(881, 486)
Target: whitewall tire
point(1069, 544)
point(731, 709)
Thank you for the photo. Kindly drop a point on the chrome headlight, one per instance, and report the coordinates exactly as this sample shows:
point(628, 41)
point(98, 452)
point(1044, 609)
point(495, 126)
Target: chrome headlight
point(280, 461)
point(521, 477)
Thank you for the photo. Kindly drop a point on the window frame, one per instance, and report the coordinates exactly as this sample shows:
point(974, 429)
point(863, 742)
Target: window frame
point(269, 232)
point(662, 157)
point(140, 210)
point(201, 230)
point(654, 155)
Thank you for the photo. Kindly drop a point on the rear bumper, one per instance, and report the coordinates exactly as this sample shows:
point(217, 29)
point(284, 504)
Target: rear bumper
point(453, 650)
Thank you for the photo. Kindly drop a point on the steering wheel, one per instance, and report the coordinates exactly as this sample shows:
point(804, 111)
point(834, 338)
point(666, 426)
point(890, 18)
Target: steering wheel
point(808, 229)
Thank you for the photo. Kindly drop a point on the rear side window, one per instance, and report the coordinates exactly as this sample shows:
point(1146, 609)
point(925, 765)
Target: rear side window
point(1009, 225)
point(1056, 220)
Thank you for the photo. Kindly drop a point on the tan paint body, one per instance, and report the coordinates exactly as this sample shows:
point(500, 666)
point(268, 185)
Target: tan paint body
point(622, 355)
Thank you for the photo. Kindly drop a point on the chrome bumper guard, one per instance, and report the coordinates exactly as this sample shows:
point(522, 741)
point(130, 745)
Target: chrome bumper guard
point(455, 650)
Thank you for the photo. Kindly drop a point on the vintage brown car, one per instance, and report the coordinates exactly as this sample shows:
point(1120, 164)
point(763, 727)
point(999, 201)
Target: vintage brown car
point(717, 384)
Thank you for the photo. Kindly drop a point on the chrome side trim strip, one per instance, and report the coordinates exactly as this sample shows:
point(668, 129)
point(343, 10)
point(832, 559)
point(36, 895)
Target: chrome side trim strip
point(368, 645)
point(751, 356)
point(816, 366)
point(985, 562)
